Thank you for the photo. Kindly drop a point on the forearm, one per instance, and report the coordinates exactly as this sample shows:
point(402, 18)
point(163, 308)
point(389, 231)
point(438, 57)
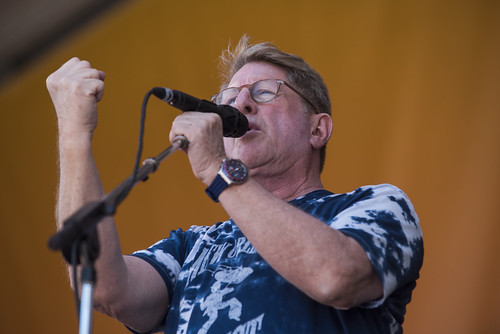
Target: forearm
point(322, 262)
point(80, 183)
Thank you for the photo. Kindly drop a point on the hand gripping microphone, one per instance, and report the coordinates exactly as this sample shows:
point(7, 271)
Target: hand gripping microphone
point(234, 123)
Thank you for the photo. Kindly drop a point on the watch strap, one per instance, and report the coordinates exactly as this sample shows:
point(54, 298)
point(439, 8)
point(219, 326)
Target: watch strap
point(216, 187)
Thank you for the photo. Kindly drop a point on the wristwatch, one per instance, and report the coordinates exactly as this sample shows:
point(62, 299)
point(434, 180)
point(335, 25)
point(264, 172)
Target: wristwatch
point(232, 171)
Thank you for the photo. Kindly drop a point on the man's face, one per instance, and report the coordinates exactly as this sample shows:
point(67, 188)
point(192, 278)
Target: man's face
point(279, 130)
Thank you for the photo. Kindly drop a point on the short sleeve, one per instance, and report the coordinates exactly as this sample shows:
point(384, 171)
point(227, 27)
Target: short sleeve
point(168, 255)
point(386, 225)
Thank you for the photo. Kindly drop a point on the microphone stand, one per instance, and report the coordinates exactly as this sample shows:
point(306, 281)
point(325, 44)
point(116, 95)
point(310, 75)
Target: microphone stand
point(78, 236)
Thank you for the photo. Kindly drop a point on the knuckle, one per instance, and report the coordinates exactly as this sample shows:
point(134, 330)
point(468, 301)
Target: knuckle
point(93, 73)
point(85, 63)
point(49, 82)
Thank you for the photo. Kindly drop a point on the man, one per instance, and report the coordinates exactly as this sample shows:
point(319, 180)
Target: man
point(293, 258)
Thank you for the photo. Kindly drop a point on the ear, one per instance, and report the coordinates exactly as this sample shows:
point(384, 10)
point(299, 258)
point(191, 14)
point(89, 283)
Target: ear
point(321, 130)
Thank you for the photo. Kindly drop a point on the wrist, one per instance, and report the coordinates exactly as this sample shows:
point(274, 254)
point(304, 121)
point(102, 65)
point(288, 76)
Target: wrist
point(207, 174)
point(213, 173)
point(231, 172)
point(73, 139)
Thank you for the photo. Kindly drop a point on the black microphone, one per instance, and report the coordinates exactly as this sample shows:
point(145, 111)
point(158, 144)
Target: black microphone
point(234, 123)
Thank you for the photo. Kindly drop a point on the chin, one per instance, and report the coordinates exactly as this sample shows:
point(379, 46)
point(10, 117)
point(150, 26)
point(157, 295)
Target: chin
point(239, 150)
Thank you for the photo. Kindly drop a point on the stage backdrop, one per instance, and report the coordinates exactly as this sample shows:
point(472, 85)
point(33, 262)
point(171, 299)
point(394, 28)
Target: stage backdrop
point(415, 90)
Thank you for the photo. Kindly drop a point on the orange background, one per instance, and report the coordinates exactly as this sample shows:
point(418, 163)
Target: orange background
point(415, 90)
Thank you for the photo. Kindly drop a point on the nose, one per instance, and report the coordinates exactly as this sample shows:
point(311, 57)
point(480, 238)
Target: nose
point(244, 102)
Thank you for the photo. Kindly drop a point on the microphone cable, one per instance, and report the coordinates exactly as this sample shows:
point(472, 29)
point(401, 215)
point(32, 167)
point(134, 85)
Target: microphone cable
point(111, 208)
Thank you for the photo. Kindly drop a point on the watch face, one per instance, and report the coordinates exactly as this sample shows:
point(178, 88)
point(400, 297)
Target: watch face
point(235, 170)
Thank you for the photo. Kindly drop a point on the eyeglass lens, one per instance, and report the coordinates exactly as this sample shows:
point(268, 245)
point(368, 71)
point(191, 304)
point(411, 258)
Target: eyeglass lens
point(260, 91)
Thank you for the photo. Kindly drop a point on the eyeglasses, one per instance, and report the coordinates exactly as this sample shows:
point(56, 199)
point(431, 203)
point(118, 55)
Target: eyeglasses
point(261, 91)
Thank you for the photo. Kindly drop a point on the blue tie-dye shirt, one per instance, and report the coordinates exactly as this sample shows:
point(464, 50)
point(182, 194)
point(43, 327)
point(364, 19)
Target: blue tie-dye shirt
point(218, 283)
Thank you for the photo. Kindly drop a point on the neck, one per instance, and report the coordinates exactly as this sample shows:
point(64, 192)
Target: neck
point(290, 185)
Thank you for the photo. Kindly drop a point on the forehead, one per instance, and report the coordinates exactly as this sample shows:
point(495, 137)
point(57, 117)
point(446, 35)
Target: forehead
point(256, 71)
